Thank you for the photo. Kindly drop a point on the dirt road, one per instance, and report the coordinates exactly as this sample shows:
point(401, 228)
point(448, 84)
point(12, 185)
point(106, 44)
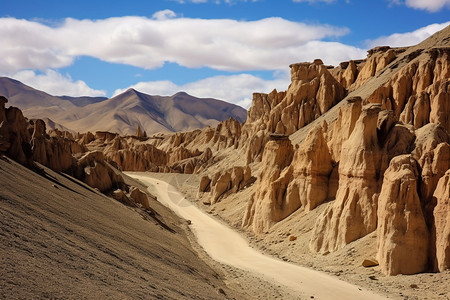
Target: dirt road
point(225, 245)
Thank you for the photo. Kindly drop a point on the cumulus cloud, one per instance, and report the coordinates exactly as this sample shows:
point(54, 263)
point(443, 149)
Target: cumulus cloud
point(408, 38)
point(164, 14)
point(237, 89)
point(56, 84)
point(429, 5)
point(222, 44)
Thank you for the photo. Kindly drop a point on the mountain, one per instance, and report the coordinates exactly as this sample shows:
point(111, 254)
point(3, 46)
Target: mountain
point(123, 113)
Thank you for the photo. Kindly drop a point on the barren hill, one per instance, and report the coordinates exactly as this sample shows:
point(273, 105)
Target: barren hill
point(123, 113)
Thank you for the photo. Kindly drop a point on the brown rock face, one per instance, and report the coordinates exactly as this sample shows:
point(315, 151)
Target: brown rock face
point(139, 197)
point(205, 184)
point(266, 204)
point(303, 182)
point(53, 152)
point(313, 92)
point(442, 223)
point(94, 171)
point(402, 234)
point(14, 134)
point(419, 93)
point(340, 130)
point(136, 157)
point(224, 183)
point(311, 168)
point(353, 214)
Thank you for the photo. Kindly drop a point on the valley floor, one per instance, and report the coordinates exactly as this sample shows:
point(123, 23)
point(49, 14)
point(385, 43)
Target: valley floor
point(345, 264)
point(60, 239)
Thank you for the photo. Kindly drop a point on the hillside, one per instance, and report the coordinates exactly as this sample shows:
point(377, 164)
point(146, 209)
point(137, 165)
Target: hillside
point(123, 113)
point(62, 239)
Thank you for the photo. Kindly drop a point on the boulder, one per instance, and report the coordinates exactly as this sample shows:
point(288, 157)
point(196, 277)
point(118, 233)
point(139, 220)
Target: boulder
point(402, 234)
point(262, 212)
point(442, 223)
point(353, 213)
point(139, 197)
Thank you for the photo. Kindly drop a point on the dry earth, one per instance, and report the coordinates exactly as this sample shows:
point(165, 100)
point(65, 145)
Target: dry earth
point(61, 239)
point(345, 264)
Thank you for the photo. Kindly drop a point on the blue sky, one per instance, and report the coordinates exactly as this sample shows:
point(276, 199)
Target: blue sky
point(225, 49)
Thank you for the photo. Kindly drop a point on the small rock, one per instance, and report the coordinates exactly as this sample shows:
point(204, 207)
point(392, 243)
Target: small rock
point(189, 222)
point(221, 291)
point(367, 263)
point(292, 238)
point(372, 277)
point(414, 286)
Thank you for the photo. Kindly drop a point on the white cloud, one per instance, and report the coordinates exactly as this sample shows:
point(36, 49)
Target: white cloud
point(429, 5)
point(164, 15)
point(408, 38)
point(56, 84)
point(237, 89)
point(223, 44)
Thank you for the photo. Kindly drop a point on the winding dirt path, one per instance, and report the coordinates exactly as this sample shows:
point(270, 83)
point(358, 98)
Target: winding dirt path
point(226, 246)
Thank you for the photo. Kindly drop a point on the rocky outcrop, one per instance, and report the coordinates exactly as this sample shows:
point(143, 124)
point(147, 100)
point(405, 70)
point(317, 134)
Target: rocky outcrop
point(339, 131)
point(140, 134)
point(14, 134)
point(224, 183)
point(95, 172)
point(419, 93)
point(265, 206)
point(378, 58)
point(312, 92)
point(53, 152)
point(442, 223)
point(135, 157)
point(139, 197)
point(353, 213)
point(402, 233)
point(134, 198)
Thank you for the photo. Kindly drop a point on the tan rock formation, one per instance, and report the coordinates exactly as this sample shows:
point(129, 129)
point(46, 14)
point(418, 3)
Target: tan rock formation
point(402, 234)
point(139, 197)
point(340, 130)
point(136, 157)
point(377, 60)
point(353, 214)
point(223, 183)
point(86, 138)
point(94, 171)
point(205, 184)
point(14, 134)
point(416, 96)
point(53, 152)
point(442, 222)
point(262, 210)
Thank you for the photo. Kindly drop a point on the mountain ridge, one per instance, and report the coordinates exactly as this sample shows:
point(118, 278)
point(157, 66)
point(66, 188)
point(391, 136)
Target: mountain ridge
point(122, 113)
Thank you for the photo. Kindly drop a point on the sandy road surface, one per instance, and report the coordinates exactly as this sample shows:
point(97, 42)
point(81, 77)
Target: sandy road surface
point(229, 247)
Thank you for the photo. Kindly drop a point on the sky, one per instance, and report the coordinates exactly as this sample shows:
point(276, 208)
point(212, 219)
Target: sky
point(224, 49)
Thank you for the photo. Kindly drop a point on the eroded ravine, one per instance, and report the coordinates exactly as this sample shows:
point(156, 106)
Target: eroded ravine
point(226, 246)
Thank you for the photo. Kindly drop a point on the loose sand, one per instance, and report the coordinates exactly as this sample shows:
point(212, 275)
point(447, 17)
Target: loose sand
point(345, 264)
point(225, 245)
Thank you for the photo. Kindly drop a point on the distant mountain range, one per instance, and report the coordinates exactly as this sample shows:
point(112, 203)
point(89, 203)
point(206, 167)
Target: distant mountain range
point(122, 113)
